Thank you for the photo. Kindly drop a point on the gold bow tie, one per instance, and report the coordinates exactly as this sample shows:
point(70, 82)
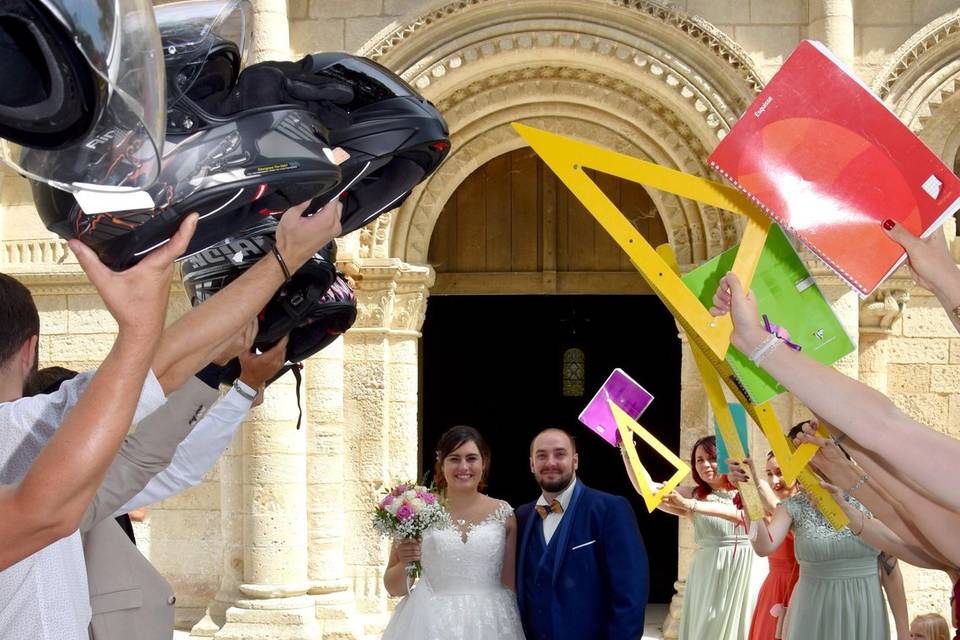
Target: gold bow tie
point(554, 507)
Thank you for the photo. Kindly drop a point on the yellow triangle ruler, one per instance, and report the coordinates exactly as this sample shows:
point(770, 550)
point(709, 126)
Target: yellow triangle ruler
point(627, 426)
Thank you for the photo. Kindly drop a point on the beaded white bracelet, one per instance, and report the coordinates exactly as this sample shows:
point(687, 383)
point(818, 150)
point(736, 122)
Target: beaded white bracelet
point(765, 348)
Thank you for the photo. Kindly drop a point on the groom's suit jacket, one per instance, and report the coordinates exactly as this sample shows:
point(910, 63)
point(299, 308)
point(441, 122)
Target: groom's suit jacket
point(591, 581)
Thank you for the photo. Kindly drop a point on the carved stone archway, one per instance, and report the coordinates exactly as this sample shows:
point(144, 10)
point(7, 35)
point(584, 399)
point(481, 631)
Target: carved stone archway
point(921, 82)
point(637, 76)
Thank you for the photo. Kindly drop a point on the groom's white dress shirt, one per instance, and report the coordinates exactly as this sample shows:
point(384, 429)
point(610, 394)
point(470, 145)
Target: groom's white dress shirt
point(552, 521)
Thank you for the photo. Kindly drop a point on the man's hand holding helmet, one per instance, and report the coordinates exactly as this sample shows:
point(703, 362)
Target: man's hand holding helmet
point(299, 236)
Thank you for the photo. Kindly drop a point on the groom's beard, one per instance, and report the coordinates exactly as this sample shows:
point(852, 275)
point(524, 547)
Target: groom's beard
point(558, 485)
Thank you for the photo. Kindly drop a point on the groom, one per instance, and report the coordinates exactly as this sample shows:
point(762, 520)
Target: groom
point(581, 565)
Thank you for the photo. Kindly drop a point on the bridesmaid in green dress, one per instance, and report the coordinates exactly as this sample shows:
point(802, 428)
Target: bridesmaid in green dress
point(717, 603)
point(838, 594)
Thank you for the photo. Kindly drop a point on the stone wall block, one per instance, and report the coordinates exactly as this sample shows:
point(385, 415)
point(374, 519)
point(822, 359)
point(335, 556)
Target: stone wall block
point(930, 409)
point(769, 44)
point(359, 30)
point(725, 11)
point(202, 497)
point(919, 350)
point(180, 557)
point(778, 12)
point(925, 317)
point(874, 352)
point(945, 378)
point(309, 36)
point(908, 378)
point(953, 420)
point(82, 348)
point(326, 9)
point(925, 11)
point(954, 351)
point(875, 12)
point(404, 7)
point(297, 9)
point(53, 314)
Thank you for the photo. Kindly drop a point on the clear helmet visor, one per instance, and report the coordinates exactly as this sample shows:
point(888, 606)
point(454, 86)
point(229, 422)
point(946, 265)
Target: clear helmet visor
point(194, 33)
point(115, 45)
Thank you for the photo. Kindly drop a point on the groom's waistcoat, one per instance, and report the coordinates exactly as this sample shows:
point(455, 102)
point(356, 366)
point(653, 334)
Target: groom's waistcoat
point(538, 580)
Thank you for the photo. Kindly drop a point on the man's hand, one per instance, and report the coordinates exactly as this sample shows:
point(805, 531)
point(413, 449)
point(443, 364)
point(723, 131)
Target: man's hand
point(300, 237)
point(137, 298)
point(256, 369)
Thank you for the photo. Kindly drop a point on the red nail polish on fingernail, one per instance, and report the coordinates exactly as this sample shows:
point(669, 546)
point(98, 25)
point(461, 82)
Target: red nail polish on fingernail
point(889, 224)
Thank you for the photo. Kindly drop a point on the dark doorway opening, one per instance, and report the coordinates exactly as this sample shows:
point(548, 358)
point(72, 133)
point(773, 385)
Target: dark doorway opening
point(496, 363)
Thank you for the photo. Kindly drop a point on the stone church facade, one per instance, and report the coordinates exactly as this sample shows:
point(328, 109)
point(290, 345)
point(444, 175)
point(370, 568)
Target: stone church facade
point(276, 541)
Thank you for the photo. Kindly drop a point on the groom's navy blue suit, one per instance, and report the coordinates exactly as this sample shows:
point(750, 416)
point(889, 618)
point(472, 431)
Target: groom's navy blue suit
point(591, 581)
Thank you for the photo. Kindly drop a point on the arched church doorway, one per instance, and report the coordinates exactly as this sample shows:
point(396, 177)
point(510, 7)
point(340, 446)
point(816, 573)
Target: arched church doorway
point(533, 306)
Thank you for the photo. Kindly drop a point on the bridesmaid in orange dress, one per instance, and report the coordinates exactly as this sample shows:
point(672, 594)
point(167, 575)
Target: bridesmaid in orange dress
point(774, 594)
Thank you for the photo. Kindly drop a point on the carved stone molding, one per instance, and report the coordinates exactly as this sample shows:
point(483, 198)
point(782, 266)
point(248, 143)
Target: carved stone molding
point(391, 296)
point(450, 18)
point(923, 73)
point(622, 117)
point(879, 311)
point(33, 255)
point(641, 65)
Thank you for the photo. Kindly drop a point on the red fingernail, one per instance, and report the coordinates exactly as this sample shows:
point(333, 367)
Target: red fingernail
point(889, 224)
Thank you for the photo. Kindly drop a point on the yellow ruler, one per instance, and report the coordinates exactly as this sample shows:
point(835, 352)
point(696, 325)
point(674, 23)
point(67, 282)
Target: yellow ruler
point(627, 426)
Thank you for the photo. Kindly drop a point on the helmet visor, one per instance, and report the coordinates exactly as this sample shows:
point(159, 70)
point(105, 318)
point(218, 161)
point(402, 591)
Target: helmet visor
point(120, 150)
point(192, 32)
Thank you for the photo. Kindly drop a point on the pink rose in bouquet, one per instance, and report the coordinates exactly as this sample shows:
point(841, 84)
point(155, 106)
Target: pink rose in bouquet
point(406, 512)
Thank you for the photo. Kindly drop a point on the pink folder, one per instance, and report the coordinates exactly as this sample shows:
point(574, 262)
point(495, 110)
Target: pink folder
point(626, 394)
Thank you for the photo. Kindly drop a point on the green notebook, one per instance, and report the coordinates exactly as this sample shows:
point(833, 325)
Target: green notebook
point(788, 295)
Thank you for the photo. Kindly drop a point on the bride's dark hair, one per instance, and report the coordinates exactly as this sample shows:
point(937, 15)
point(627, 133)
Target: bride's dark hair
point(451, 440)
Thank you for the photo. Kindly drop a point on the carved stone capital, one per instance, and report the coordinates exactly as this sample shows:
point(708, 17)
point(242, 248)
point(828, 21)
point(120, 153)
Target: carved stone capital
point(879, 311)
point(392, 295)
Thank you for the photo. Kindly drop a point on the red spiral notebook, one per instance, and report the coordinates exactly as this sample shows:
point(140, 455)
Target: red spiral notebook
point(825, 158)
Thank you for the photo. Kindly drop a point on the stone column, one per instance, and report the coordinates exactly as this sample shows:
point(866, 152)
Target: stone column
point(271, 30)
point(694, 419)
point(274, 600)
point(381, 439)
point(831, 22)
point(231, 531)
point(326, 519)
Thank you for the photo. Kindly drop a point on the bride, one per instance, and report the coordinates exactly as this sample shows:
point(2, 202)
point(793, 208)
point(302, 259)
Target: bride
point(467, 587)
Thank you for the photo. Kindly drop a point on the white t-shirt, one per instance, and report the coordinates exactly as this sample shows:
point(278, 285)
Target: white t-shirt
point(45, 596)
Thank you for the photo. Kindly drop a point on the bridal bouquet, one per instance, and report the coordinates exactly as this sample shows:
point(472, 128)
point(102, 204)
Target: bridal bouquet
point(406, 512)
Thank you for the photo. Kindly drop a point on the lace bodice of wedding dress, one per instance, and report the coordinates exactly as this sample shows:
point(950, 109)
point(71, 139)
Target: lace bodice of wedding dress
point(459, 595)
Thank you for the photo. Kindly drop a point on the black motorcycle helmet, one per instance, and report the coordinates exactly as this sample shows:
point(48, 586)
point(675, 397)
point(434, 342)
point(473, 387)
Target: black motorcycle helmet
point(209, 271)
point(233, 166)
point(82, 86)
point(330, 318)
point(395, 137)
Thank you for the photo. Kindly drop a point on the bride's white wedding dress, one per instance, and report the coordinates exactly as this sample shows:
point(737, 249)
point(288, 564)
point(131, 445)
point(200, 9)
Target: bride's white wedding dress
point(459, 596)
